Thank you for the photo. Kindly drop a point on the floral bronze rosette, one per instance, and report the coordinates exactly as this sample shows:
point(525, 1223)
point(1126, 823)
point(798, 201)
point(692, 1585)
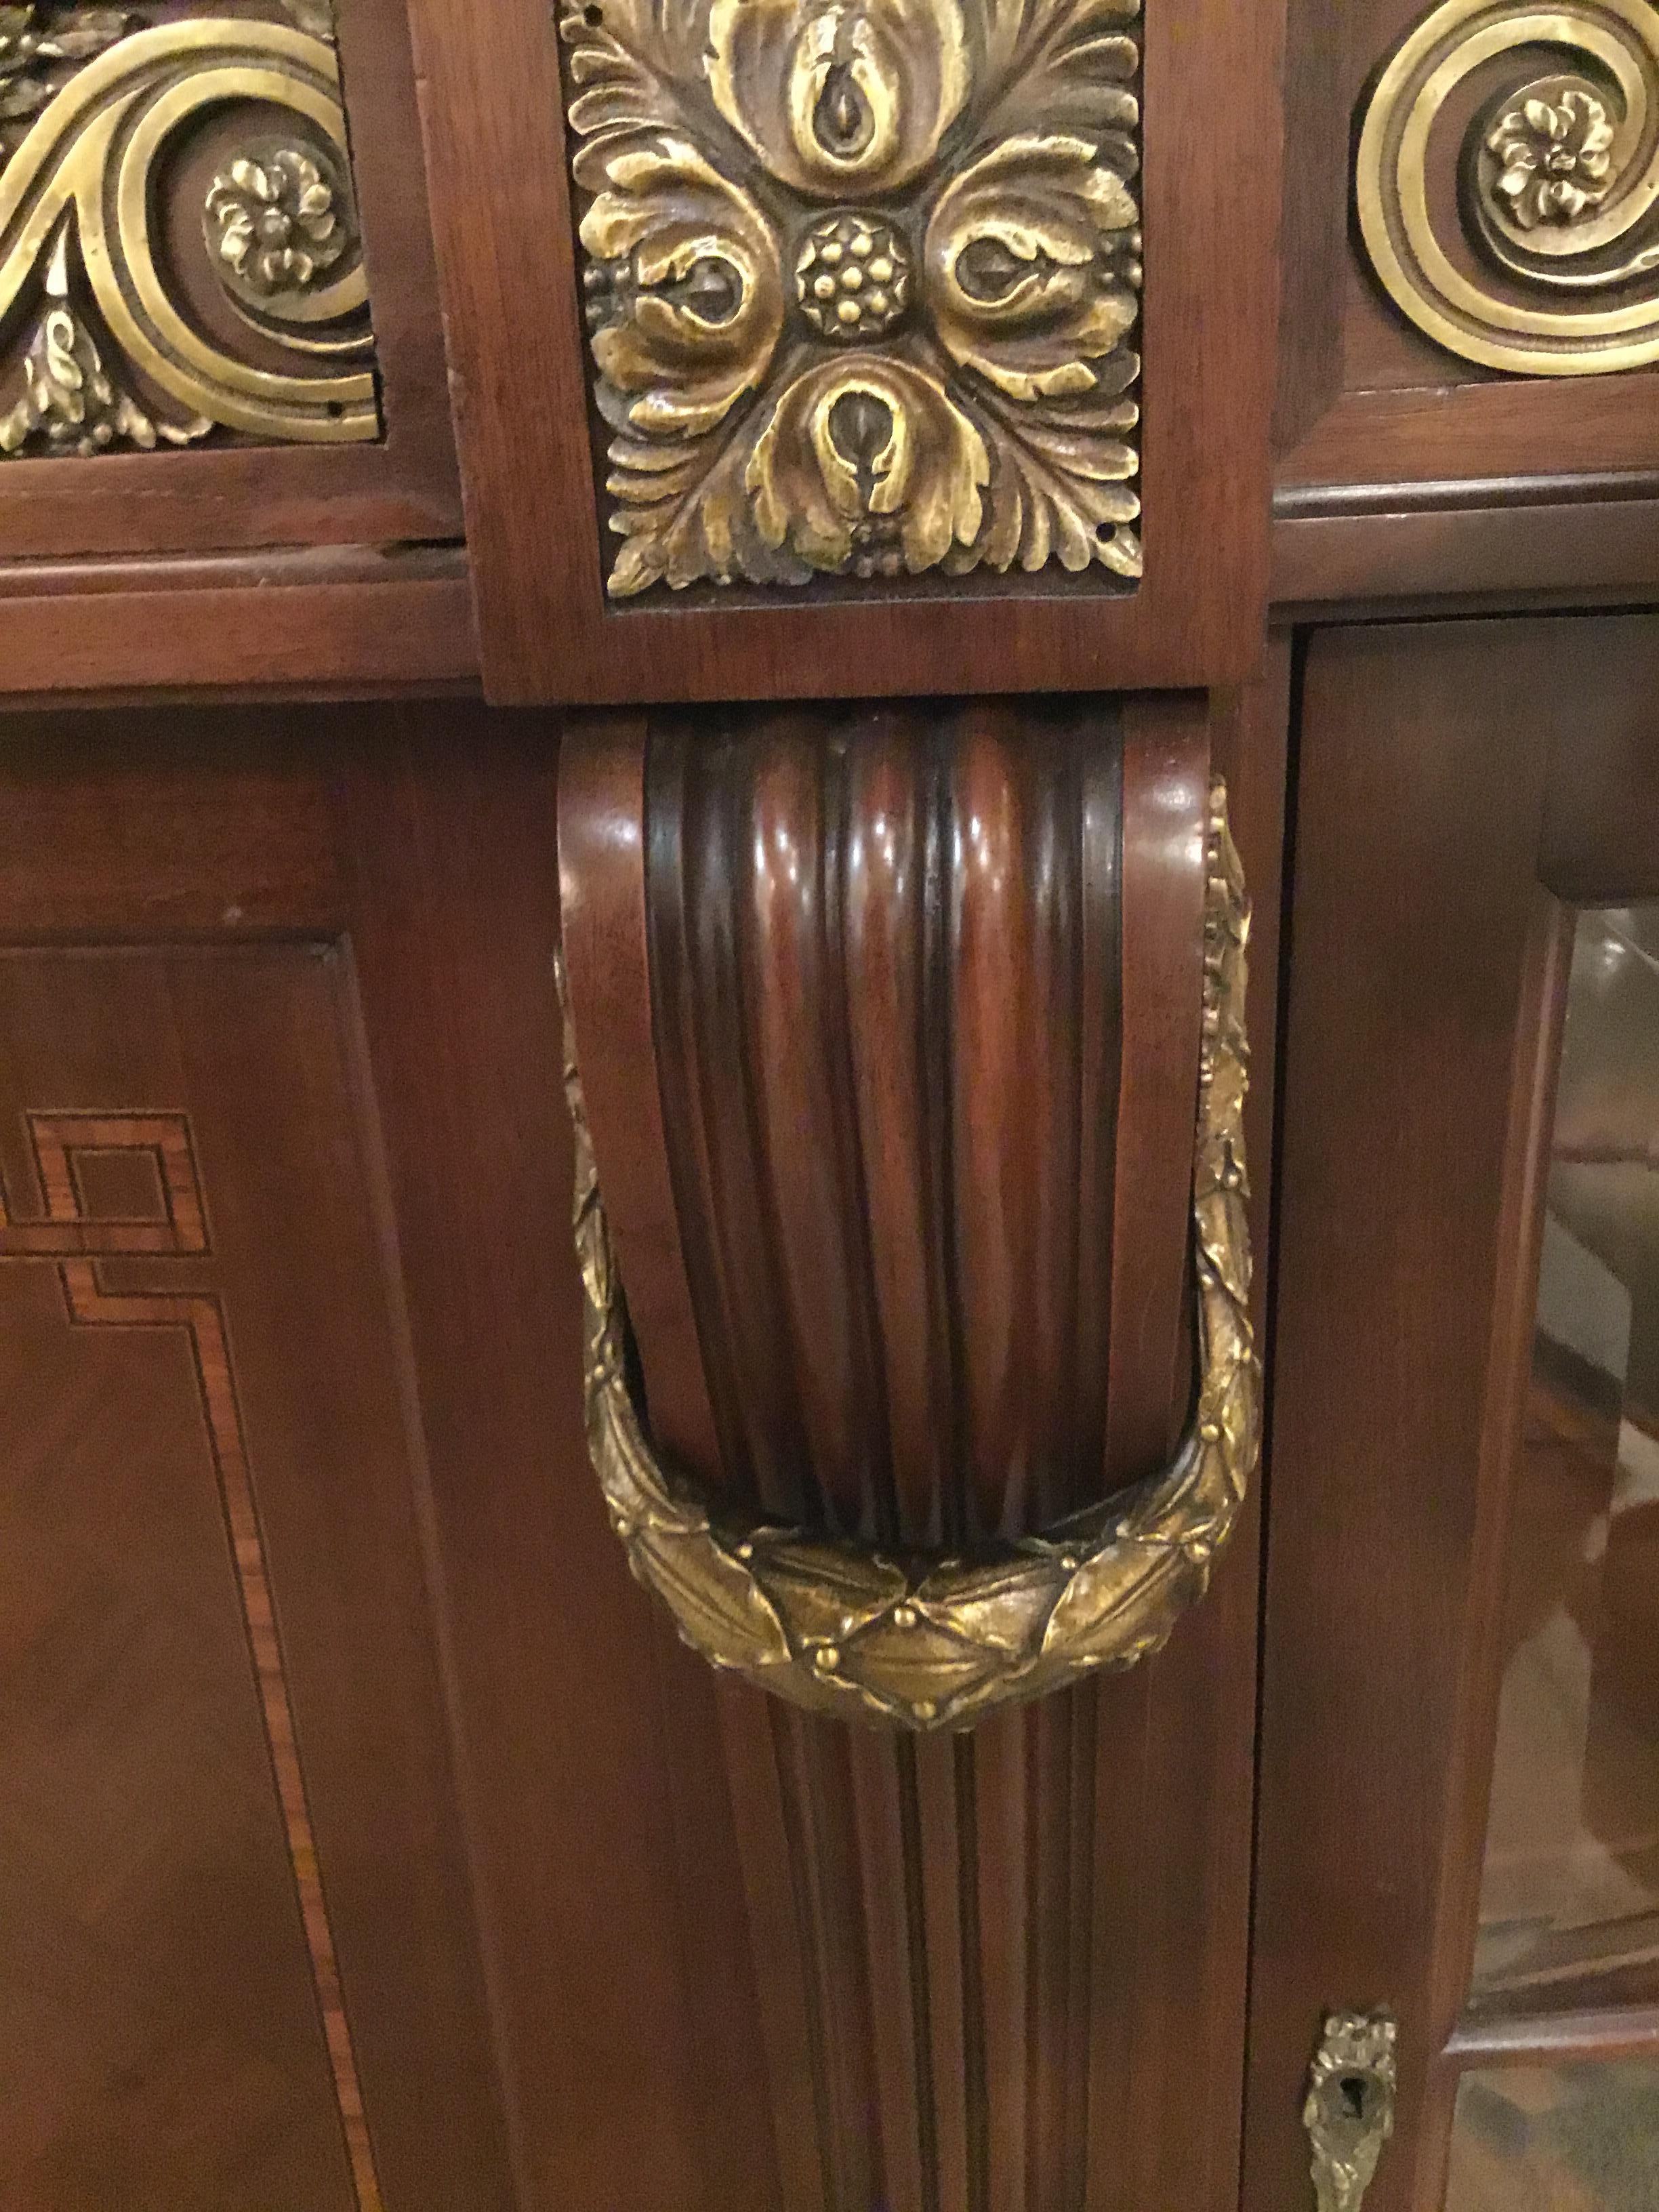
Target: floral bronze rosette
point(861, 280)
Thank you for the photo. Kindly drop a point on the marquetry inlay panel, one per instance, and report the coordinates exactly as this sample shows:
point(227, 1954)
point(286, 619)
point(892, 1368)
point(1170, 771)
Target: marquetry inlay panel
point(862, 280)
point(180, 257)
point(124, 1187)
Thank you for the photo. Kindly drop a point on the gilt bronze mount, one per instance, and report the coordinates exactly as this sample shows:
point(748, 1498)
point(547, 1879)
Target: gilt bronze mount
point(1550, 265)
point(1349, 2111)
point(927, 1642)
point(861, 281)
point(112, 348)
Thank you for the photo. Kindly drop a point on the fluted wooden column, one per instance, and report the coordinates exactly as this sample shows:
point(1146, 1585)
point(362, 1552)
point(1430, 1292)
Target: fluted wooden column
point(888, 1025)
point(889, 1031)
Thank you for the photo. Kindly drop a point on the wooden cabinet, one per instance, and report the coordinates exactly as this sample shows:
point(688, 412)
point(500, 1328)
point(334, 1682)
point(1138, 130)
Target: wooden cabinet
point(242, 1963)
point(373, 1841)
point(666, 667)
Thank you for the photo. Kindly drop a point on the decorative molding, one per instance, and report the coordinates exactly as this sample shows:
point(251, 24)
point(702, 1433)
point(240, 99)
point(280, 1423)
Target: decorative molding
point(927, 1642)
point(1550, 265)
point(116, 343)
point(81, 1241)
point(948, 1935)
point(861, 282)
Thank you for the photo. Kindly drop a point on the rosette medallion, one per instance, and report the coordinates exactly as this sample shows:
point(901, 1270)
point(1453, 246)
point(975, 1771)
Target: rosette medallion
point(1521, 231)
point(862, 278)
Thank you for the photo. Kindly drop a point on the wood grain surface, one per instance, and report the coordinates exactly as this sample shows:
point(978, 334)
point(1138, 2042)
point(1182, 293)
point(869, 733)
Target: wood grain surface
point(349, 622)
point(893, 1072)
point(241, 1965)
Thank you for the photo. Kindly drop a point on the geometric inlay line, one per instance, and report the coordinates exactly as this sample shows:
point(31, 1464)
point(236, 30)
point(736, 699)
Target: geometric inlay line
point(80, 1242)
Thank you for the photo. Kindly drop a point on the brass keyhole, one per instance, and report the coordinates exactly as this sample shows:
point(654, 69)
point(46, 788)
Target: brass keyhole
point(1356, 2094)
point(1349, 2112)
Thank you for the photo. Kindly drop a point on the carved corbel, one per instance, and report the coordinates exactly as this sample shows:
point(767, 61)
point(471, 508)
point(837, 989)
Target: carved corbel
point(909, 1059)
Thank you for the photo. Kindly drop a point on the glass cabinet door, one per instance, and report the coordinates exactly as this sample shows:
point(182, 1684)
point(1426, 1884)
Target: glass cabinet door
point(1579, 2137)
point(1459, 1824)
point(1569, 1882)
point(1569, 1913)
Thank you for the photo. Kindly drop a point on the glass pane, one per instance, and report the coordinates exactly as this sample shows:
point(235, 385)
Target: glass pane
point(1571, 1882)
point(1582, 2137)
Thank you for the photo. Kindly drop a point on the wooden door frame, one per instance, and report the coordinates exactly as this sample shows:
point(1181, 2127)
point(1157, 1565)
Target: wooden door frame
point(1455, 789)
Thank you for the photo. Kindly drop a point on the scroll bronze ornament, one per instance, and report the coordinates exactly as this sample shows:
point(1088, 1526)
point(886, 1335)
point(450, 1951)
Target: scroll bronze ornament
point(1550, 265)
point(93, 104)
point(861, 277)
point(927, 1642)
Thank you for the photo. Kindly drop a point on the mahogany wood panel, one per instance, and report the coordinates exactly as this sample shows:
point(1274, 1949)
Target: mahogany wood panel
point(115, 827)
point(1474, 547)
point(161, 1997)
point(1600, 844)
point(988, 1972)
point(352, 623)
point(602, 1836)
point(401, 486)
point(491, 109)
point(1314, 226)
point(595, 1852)
point(238, 1956)
point(1439, 769)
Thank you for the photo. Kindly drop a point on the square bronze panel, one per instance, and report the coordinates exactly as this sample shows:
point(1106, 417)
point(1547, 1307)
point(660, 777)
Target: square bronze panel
point(938, 492)
point(862, 285)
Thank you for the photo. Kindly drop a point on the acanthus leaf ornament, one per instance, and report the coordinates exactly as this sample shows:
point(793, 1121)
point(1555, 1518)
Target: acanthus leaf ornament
point(838, 99)
point(922, 1642)
point(864, 464)
point(684, 297)
point(69, 403)
point(1549, 265)
point(861, 282)
point(1033, 258)
point(93, 103)
point(39, 48)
